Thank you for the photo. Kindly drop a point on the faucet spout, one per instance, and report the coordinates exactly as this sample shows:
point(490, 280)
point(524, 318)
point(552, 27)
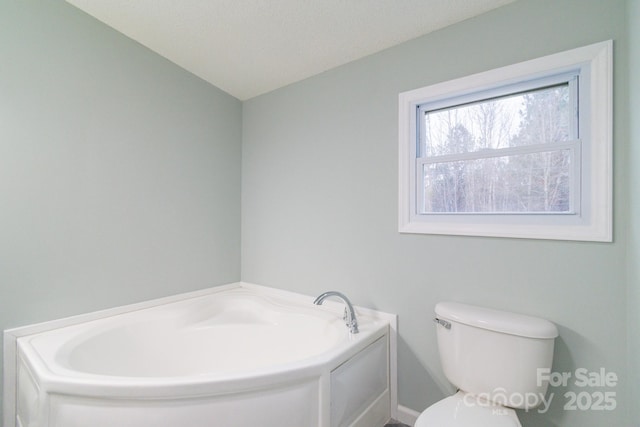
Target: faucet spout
point(349, 312)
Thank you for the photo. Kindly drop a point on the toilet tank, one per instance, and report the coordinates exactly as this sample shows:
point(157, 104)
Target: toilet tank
point(496, 355)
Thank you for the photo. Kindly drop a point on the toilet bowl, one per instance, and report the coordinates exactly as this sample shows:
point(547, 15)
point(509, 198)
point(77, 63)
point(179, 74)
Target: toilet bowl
point(493, 357)
point(464, 410)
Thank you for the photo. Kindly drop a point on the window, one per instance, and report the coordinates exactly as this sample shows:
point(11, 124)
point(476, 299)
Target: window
point(521, 151)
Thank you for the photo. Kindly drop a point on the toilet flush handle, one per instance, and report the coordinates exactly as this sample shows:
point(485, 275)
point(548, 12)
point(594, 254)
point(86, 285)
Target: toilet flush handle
point(447, 325)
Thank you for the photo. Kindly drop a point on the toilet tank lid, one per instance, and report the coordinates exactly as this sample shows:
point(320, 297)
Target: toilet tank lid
point(497, 320)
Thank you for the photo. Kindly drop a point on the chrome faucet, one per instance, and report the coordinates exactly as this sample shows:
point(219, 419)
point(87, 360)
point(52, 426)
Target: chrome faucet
point(349, 314)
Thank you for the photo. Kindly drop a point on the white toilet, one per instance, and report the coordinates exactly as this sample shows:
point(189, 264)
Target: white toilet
point(493, 358)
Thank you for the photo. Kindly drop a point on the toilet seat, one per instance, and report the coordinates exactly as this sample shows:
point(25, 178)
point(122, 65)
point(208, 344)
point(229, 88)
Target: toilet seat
point(465, 410)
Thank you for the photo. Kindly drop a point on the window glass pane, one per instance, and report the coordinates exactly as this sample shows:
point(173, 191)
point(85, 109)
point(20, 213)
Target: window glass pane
point(526, 183)
point(536, 117)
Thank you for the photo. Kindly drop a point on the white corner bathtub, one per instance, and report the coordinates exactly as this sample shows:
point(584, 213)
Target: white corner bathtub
point(235, 356)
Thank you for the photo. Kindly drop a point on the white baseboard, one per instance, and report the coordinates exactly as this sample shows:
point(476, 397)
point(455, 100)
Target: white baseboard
point(407, 416)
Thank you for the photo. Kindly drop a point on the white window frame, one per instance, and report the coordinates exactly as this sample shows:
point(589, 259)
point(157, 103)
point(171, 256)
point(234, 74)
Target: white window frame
point(591, 220)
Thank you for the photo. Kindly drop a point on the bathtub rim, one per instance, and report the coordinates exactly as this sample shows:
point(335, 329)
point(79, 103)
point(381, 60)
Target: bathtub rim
point(11, 336)
point(106, 386)
point(43, 357)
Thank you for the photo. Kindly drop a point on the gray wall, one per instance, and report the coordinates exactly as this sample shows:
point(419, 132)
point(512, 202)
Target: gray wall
point(319, 204)
point(633, 18)
point(119, 171)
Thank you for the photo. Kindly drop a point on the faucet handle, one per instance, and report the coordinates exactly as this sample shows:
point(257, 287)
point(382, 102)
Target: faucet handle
point(352, 324)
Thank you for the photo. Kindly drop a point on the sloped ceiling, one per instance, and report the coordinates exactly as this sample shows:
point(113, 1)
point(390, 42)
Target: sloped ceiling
point(250, 47)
